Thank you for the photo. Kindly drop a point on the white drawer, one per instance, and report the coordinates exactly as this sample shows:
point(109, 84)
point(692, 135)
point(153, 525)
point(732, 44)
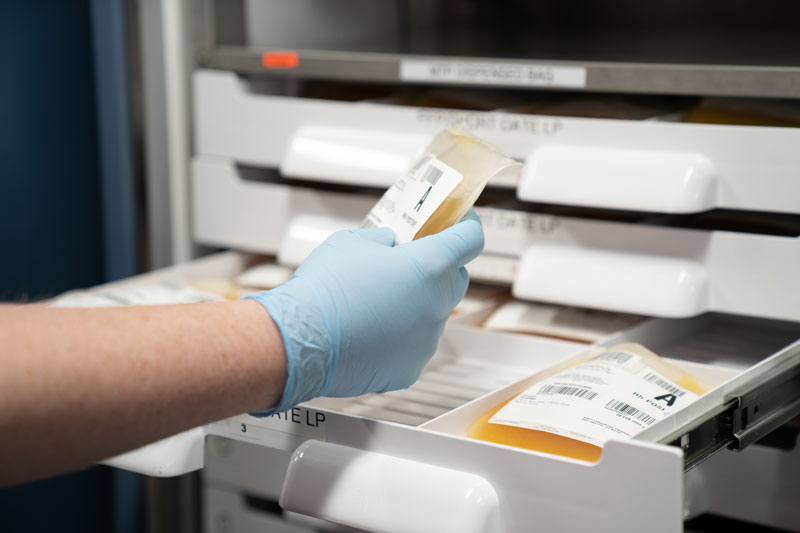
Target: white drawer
point(635, 268)
point(646, 269)
point(534, 492)
point(244, 467)
point(757, 485)
point(639, 165)
point(230, 511)
point(230, 211)
point(365, 453)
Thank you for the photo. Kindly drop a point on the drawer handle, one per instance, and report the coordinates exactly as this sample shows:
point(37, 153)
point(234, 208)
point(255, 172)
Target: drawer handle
point(629, 282)
point(377, 492)
point(306, 232)
point(642, 180)
point(350, 155)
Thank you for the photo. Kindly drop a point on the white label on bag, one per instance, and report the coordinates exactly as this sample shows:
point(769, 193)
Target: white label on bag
point(611, 396)
point(410, 202)
point(492, 73)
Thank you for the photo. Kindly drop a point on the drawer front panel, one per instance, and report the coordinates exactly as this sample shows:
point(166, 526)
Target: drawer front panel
point(535, 491)
point(230, 211)
point(661, 271)
point(693, 167)
point(632, 268)
point(227, 511)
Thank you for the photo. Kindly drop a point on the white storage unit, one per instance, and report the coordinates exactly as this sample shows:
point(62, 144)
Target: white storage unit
point(274, 172)
point(591, 162)
point(639, 268)
point(353, 456)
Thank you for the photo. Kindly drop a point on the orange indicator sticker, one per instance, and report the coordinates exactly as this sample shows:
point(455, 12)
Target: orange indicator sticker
point(277, 59)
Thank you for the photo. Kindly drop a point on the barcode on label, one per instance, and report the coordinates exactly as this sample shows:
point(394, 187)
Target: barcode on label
point(368, 223)
point(420, 163)
point(615, 357)
point(625, 409)
point(432, 175)
point(580, 392)
point(651, 377)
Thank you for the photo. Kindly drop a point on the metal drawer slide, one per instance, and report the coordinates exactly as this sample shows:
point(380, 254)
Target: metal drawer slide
point(747, 413)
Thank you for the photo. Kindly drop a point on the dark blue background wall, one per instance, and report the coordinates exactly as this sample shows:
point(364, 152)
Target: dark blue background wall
point(50, 211)
point(51, 235)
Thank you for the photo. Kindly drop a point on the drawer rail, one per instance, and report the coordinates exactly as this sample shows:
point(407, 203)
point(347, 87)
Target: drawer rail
point(748, 414)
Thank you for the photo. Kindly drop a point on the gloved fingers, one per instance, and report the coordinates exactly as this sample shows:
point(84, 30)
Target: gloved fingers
point(343, 237)
point(379, 235)
point(463, 276)
point(466, 238)
point(415, 363)
point(472, 215)
point(462, 241)
point(459, 285)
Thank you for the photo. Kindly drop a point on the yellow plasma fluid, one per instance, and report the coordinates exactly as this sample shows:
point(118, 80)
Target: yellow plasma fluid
point(477, 162)
point(543, 441)
point(451, 210)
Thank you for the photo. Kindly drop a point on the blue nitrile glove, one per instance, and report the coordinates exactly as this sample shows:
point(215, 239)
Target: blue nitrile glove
point(361, 315)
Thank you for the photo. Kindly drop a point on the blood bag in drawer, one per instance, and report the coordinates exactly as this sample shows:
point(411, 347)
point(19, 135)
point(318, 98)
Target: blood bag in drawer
point(619, 164)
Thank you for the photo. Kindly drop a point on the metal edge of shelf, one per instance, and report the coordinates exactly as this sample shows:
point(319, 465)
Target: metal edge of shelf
point(750, 411)
point(663, 78)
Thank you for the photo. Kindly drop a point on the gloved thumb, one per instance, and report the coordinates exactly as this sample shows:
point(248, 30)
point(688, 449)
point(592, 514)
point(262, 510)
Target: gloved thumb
point(472, 215)
point(463, 240)
point(379, 235)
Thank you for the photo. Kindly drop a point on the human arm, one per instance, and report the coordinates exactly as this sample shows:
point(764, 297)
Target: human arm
point(80, 385)
point(360, 315)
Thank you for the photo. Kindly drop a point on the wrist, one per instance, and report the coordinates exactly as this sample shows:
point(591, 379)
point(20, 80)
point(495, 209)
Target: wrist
point(307, 363)
point(268, 345)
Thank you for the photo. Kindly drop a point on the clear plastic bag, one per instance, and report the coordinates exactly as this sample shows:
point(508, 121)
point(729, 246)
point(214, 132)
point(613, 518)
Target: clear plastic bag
point(615, 394)
point(439, 189)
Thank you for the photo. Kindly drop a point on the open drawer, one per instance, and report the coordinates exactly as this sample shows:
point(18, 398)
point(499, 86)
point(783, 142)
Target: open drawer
point(366, 461)
point(634, 268)
point(620, 164)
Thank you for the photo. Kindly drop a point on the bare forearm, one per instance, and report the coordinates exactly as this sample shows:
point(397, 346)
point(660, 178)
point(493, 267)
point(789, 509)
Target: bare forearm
point(80, 385)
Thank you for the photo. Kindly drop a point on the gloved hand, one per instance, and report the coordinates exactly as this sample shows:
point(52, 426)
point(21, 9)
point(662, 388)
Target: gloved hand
point(361, 315)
